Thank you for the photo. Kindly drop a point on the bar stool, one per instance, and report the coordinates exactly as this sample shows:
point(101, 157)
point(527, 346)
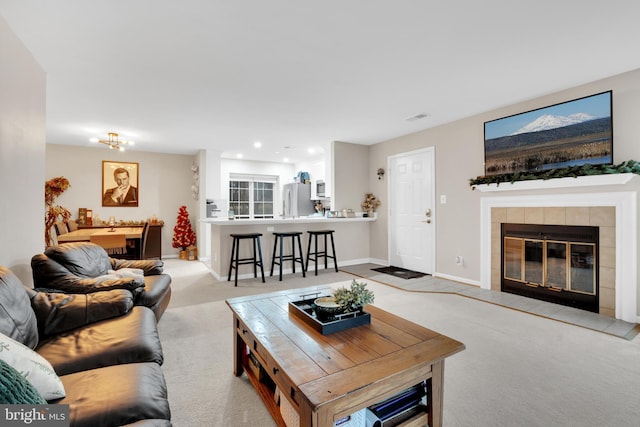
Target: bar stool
point(313, 256)
point(280, 236)
point(235, 255)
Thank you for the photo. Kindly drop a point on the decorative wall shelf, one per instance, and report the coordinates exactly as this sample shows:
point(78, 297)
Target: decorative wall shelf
point(542, 184)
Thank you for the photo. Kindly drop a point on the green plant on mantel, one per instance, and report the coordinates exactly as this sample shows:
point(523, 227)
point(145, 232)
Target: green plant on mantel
point(630, 166)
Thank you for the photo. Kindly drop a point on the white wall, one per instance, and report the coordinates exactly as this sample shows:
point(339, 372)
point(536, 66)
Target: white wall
point(351, 172)
point(22, 152)
point(165, 182)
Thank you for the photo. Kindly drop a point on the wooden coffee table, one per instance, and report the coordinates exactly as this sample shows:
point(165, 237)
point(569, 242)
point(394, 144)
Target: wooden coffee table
point(328, 377)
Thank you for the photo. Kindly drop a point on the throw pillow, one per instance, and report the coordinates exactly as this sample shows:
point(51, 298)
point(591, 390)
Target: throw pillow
point(35, 368)
point(134, 273)
point(15, 389)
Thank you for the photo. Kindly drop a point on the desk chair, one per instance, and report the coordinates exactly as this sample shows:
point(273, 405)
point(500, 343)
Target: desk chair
point(114, 244)
point(143, 241)
point(61, 228)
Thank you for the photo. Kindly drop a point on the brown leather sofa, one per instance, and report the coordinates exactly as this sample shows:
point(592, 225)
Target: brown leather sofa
point(106, 351)
point(83, 267)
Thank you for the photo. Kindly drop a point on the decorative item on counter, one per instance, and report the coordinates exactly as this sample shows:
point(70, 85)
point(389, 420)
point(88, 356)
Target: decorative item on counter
point(348, 213)
point(183, 234)
point(52, 189)
point(370, 204)
point(153, 220)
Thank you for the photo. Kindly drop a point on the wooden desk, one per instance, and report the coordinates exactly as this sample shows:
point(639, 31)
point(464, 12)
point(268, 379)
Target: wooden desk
point(83, 234)
point(328, 377)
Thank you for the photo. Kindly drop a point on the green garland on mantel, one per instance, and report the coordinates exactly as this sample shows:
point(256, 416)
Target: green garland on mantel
point(630, 166)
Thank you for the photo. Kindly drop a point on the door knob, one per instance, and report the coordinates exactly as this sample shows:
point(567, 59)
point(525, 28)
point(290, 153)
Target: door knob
point(428, 212)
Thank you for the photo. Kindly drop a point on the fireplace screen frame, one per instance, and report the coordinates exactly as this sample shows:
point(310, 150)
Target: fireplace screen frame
point(527, 271)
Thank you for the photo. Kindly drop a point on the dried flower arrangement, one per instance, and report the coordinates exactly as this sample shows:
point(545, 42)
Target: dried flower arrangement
point(370, 202)
point(52, 189)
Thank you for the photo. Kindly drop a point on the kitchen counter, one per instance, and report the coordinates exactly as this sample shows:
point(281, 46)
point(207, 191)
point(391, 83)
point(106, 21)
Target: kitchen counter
point(351, 241)
point(279, 221)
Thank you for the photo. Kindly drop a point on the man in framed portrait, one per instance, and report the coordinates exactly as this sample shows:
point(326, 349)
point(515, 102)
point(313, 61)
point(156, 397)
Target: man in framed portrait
point(124, 194)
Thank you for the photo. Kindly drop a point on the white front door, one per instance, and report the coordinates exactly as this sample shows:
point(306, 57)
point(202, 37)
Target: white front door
point(411, 215)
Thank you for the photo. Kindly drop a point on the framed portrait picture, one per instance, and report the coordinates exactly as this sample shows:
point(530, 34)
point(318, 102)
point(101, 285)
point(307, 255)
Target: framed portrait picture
point(120, 184)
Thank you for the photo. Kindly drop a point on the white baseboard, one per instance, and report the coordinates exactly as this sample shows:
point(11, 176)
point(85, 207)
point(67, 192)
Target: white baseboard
point(458, 279)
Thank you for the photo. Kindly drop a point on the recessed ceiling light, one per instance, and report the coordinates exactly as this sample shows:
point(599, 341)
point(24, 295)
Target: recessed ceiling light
point(311, 150)
point(417, 117)
point(257, 144)
point(286, 160)
point(239, 156)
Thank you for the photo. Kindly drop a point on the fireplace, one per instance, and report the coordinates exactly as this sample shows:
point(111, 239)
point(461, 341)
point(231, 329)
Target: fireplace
point(554, 263)
point(613, 212)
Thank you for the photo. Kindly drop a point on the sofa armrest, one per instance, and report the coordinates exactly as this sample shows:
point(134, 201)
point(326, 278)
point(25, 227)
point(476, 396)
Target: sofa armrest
point(58, 312)
point(77, 285)
point(150, 267)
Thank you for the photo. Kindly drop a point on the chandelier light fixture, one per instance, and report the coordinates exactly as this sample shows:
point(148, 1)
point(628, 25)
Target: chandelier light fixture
point(114, 142)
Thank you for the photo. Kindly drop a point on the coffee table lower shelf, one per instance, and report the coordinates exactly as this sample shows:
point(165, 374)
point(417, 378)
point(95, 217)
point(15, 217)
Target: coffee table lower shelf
point(266, 394)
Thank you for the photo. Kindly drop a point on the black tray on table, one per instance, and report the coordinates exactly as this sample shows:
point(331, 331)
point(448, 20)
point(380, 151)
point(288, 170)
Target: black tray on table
point(305, 311)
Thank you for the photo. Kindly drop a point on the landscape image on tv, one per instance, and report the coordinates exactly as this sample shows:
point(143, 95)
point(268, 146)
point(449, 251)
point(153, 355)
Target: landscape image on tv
point(572, 133)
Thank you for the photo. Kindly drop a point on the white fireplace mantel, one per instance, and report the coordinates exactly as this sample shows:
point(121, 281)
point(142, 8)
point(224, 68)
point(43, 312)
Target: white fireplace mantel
point(626, 234)
point(548, 184)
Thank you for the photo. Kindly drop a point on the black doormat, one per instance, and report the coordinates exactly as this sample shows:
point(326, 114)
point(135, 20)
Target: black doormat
point(403, 273)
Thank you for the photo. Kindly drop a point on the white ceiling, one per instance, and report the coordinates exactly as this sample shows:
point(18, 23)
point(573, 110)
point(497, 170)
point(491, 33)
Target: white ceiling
point(179, 76)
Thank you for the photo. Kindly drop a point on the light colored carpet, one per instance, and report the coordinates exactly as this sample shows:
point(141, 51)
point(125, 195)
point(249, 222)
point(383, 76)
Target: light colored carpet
point(517, 369)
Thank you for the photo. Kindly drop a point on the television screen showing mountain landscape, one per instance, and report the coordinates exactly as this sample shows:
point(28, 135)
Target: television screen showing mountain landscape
point(573, 133)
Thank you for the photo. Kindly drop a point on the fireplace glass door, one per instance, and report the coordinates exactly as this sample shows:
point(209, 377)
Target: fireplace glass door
point(552, 263)
point(556, 265)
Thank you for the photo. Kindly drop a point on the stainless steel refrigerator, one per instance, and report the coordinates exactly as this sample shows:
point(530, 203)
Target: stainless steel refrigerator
point(296, 200)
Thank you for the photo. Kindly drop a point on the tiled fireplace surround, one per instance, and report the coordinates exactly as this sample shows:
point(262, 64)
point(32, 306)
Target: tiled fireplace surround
point(613, 212)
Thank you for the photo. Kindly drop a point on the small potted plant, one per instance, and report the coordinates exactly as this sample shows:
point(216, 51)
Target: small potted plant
point(354, 298)
point(344, 300)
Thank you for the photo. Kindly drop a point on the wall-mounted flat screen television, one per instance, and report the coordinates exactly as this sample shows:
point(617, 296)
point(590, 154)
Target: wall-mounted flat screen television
point(571, 133)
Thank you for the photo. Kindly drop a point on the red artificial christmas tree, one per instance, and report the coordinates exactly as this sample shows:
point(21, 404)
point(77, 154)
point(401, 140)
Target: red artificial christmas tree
point(183, 234)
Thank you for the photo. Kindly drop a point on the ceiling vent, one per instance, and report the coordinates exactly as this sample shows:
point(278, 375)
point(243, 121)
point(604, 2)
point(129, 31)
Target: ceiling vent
point(417, 117)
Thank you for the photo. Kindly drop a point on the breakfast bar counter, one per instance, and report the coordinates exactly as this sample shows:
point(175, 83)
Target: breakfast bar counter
point(351, 240)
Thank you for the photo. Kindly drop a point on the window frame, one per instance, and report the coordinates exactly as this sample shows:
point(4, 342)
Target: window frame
point(252, 180)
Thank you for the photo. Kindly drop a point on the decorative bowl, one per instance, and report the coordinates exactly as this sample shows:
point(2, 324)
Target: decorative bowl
point(326, 307)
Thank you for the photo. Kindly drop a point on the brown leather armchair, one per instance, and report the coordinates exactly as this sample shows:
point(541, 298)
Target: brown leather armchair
point(83, 267)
